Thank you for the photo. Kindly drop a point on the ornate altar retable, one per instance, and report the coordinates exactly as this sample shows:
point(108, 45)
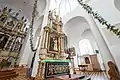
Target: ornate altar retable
point(12, 34)
point(52, 47)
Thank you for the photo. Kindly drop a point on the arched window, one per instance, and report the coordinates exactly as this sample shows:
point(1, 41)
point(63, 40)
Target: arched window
point(85, 47)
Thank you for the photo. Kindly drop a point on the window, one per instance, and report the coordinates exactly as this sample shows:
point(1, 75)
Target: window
point(85, 47)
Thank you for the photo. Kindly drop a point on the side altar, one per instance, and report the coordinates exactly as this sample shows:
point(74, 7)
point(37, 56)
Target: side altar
point(54, 42)
point(13, 31)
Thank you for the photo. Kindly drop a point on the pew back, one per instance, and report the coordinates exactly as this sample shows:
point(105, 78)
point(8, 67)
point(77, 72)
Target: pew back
point(7, 74)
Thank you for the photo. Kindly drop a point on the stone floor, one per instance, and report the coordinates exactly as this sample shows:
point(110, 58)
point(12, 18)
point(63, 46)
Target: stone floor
point(95, 75)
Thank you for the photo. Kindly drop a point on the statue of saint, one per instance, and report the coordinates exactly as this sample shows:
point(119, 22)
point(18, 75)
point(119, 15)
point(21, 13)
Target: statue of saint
point(54, 14)
point(12, 21)
point(50, 18)
point(17, 45)
point(9, 45)
point(4, 15)
point(55, 44)
point(113, 71)
point(3, 41)
point(20, 24)
point(51, 44)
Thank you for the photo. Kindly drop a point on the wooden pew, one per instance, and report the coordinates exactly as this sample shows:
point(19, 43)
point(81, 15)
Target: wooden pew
point(17, 73)
point(7, 74)
point(22, 72)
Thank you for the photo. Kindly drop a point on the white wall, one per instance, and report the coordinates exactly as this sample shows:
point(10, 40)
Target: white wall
point(105, 8)
point(117, 4)
point(87, 34)
point(73, 29)
point(26, 53)
point(114, 43)
point(79, 11)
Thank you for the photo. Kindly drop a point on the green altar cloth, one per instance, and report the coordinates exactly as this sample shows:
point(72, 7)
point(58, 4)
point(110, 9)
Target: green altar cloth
point(56, 67)
point(47, 60)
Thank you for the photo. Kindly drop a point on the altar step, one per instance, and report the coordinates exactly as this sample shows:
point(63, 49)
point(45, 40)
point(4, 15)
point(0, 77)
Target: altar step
point(73, 77)
point(87, 76)
point(84, 78)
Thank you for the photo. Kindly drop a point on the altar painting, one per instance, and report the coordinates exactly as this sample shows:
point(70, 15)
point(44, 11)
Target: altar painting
point(53, 44)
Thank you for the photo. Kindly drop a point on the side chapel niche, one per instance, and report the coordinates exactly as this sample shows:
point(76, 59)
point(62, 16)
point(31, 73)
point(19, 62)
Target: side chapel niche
point(12, 34)
point(53, 40)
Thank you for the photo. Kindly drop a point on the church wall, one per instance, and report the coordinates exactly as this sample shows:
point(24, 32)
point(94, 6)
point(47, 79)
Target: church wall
point(27, 54)
point(89, 35)
point(81, 12)
point(113, 18)
point(107, 9)
point(77, 12)
point(40, 33)
point(114, 43)
point(74, 32)
point(36, 36)
point(117, 4)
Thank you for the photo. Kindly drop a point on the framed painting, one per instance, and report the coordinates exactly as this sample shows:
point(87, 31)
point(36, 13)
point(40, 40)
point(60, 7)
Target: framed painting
point(53, 46)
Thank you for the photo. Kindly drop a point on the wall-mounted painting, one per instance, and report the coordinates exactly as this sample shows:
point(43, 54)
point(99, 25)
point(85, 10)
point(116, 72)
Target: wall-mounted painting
point(87, 61)
point(70, 51)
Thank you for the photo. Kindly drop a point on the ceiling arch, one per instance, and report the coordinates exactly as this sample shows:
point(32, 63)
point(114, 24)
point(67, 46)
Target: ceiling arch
point(74, 28)
point(76, 24)
point(86, 32)
point(117, 4)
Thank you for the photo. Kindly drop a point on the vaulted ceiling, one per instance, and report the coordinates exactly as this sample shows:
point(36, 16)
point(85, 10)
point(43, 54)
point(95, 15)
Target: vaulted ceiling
point(75, 27)
point(117, 4)
point(24, 7)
